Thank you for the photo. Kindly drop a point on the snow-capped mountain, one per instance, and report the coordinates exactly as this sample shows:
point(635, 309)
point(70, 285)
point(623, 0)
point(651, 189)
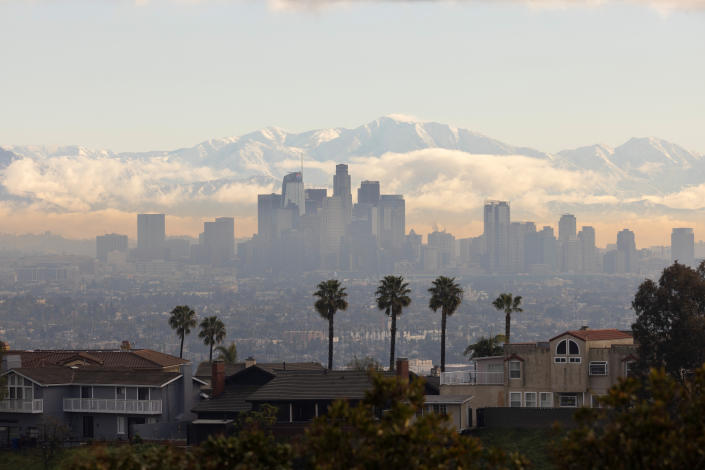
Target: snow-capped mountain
point(434, 164)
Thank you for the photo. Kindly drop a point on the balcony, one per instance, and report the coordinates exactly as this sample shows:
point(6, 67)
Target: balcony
point(22, 406)
point(101, 405)
point(471, 377)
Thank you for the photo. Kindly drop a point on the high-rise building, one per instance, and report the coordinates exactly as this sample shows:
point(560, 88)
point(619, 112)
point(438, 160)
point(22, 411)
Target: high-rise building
point(314, 199)
point(293, 192)
point(566, 228)
point(444, 245)
point(368, 193)
point(626, 252)
point(342, 189)
point(151, 233)
point(518, 231)
point(683, 246)
point(391, 212)
point(105, 244)
point(267, 205)
point(588, 250)
point(496, 234)
point(217, 241)
point(332, 231)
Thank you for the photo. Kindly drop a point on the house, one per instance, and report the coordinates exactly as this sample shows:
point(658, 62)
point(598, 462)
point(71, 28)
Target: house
point(567, 371)
point(96, 394)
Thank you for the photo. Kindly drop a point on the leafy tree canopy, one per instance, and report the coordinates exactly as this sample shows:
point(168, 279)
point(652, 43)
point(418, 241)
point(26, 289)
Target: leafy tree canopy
point(486, 347)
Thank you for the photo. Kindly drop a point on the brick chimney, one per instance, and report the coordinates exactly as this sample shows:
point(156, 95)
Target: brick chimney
point(125, 346)
point(403, 369)
point(217, 378)
point(250, 361)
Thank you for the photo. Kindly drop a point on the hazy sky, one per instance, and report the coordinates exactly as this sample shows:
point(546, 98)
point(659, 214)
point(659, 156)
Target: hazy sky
point(162, 74)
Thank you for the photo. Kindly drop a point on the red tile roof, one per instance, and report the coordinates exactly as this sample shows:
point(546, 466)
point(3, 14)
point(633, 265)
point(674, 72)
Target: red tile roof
point(597, 335)
point(133, 359)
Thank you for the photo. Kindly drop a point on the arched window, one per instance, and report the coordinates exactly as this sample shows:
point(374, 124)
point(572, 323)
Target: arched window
point(565, 348)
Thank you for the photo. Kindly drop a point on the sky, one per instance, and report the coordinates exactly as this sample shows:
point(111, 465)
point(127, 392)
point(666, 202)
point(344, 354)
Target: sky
point(167, 74)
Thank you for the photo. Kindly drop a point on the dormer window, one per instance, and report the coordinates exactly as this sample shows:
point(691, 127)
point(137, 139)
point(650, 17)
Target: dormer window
point(567, 351)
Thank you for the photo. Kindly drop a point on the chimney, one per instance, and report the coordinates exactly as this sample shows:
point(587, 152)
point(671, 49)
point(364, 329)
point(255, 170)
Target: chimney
point(217, 378)
point(125, 346)
point(250, 361)
point(403, 369)
point(584, 328)
point(4, 346)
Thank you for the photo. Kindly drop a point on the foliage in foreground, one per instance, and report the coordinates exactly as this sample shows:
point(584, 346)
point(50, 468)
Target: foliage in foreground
point(658, 423)
point(359, 437)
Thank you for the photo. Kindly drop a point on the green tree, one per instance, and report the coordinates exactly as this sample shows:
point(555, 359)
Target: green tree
point(447, 295)
point(508, 304)
point(362, 437)
point(392, 296)
point(670, 320)
point(364, 363)
point(486, 347)
point(182, 319)
point(656, 423)
point(212, 333)
point(331, 298)
point(227, 354)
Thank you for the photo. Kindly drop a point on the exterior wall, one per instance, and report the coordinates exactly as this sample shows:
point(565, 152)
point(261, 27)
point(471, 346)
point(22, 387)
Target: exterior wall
point(569, 376)
point(482, 396)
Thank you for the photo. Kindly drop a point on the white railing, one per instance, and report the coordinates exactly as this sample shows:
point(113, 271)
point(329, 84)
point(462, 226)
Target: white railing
point(22, 406)
point(102, 405)
point(471, 377)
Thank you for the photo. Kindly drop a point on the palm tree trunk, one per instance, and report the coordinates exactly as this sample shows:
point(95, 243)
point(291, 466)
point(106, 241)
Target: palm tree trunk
point(507, 326)
point(181, 349)
point(330, 342)
point(393, 340)
point(443, 341)
point(210, 355)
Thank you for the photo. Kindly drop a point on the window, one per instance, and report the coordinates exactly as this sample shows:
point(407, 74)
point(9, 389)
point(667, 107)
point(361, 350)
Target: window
point(143, 393)
point(86, 392)
point(19, 388)
point(546, 399)
point(629, 368)
point(514, 399)
point(120, 393)
point(568, 401)
point(121, 424)
point(567, 347)
point(530, 399)
point(514, 369)
point(598, 367)
point(595, 401)
point(440, 409)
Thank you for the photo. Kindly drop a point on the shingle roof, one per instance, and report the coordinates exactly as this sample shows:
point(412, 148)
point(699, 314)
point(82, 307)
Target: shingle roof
point(204, 369)
point(57, 375)
point(133, 359)
point(314, 385)
point(233, 399)
point(597, 335)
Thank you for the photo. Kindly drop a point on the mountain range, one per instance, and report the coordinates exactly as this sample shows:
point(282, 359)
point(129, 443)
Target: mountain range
point(421, 159)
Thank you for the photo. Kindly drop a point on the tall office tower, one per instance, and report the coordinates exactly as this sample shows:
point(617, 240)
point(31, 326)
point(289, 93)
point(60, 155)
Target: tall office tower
point(444, 244)
point(588, 251)
point(105, 244)
point(391, 212)
point(218, 241)
point(683, 246)
point(151, 233)
point(626, 252)
point(518, 232)
point(566, 228)
point(342, 189)
point(314, 200)
point(540, 250)
point(267, 205)
point(368, 193)
point(332, 231)
point(293, 192)
point(496, 234)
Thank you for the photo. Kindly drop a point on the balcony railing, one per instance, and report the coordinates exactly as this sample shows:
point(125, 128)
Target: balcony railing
point(22, 406)
point(102, 405)
point(471, 377)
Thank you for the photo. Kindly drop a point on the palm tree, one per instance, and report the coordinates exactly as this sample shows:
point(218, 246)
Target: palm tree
point(392, 296)
point(331, 298)
point(182, 319)
point(212, 332)
point(447, 295)
point(485, 347)
point(227, 354)
point(508, 304)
